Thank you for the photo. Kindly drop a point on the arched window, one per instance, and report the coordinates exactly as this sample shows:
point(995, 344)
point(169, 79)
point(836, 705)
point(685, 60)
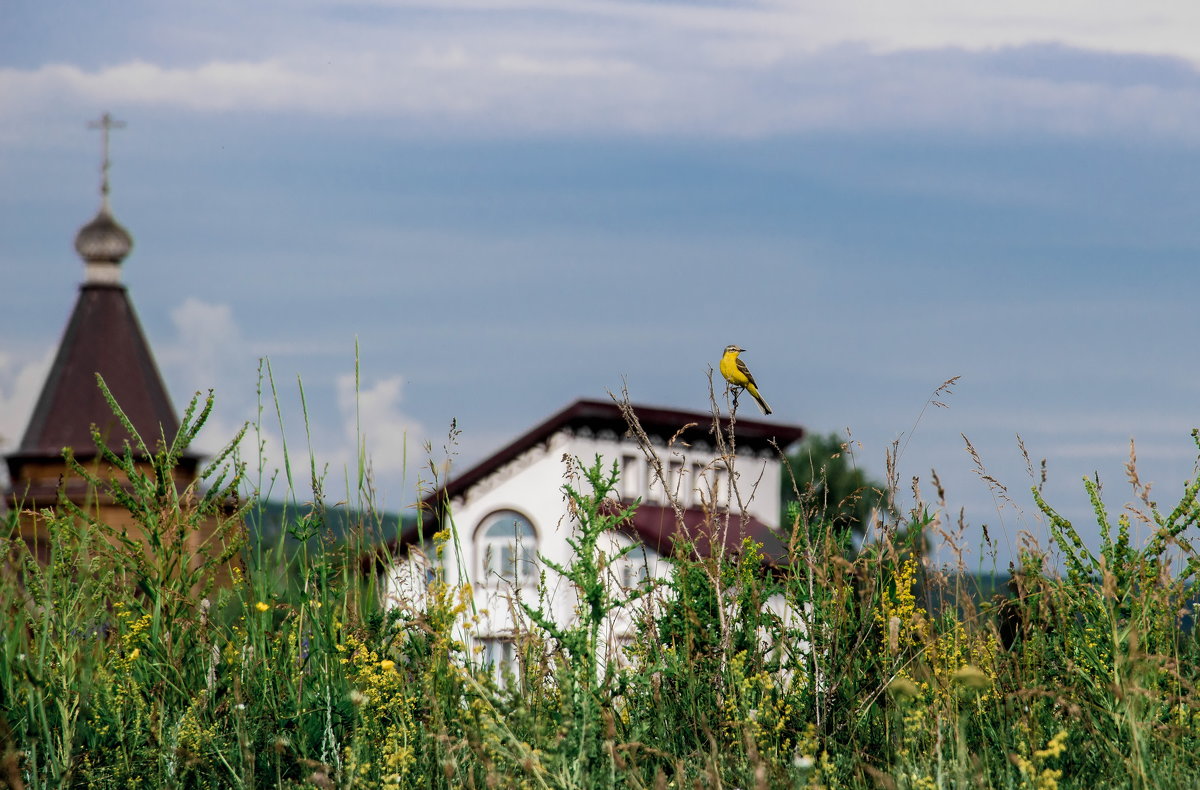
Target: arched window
point(508, 546)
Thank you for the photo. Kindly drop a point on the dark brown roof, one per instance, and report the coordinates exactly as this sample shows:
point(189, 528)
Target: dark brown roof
point(598, 416)
point(657, 527)
point(102, 336)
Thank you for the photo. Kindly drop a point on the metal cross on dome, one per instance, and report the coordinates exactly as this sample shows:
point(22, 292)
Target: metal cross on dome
point(105, 124)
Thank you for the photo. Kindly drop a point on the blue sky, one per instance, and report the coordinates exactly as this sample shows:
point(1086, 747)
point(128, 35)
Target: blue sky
point(511, 204)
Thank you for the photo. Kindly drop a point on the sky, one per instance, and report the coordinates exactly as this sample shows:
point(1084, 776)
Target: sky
point(505, 205)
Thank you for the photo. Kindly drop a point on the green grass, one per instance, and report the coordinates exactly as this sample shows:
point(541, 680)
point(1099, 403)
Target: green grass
point(128, 668)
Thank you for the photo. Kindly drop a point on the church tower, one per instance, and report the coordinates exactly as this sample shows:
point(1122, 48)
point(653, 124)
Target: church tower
point(103, 336)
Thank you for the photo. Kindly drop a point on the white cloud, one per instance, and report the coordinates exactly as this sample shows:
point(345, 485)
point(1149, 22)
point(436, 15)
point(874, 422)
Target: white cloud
point(21, 381)
point(563, 67)
point(208, 340)
point(393, 441)
point(1157, 26)
point(218, 85)
point(209, 351)
point(631, 67)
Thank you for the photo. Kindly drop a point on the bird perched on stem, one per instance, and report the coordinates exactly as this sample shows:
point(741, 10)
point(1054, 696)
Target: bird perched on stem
point(736, 373)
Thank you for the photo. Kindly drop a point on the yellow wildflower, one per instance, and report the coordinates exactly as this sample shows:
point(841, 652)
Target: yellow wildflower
point(1056, 746)
point(262, 606)
point(972, 677)
point(903, 687)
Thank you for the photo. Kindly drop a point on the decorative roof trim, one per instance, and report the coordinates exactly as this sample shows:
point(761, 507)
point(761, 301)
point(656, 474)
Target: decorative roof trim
point(600, 415)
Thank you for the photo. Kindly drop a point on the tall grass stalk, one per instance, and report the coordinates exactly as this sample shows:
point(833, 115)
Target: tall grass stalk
point(137, 659)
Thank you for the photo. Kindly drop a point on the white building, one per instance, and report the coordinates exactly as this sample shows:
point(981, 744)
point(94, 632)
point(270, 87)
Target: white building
point(510, 509)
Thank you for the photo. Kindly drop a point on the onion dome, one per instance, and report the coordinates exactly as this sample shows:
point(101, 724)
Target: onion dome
point(103, 240)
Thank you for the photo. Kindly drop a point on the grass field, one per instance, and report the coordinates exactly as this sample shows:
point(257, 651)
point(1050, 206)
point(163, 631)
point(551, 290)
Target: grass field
point(124, 666)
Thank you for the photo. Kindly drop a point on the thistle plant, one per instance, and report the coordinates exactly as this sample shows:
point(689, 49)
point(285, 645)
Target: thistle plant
point(588, 675)
point(143, 480)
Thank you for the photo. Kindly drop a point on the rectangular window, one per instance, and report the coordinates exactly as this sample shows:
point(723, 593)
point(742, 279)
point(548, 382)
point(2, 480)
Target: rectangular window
point(675, 482)
point(500, 653)
point(653, 485)
point(711, 484)
point(721, 491)
point(701, 492)
point(630, 490)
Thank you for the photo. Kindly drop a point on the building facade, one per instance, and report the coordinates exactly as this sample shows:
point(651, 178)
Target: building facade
point(510, 510)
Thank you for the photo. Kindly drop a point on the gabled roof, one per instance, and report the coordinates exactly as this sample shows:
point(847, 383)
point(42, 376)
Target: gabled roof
point(653, 524)
point(103, 336)
point(599, 416)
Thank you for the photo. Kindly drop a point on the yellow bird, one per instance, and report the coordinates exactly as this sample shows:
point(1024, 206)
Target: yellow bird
point(736, 373)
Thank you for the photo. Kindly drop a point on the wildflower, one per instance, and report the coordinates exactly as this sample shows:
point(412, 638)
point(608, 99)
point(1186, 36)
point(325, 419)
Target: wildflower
point(387, 664)
point(804, 762)
point(972, 677)
point(262, 606)
point(903, 687)
point(137, 651)
point(240, 706)
point(1056, 746)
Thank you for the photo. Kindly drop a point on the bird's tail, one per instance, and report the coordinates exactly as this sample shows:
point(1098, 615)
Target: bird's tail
point(762, 404)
